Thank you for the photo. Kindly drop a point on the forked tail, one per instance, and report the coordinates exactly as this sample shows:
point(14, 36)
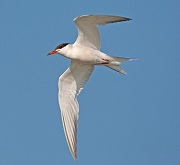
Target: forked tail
point(116, 62)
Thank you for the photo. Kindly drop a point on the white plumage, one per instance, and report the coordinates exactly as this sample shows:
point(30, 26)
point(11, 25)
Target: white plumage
point(84, 54)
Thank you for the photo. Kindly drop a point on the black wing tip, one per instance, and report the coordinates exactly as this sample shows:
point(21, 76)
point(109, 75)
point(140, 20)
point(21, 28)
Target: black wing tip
point(126, 19)
point(119, 20)
point(129, 19)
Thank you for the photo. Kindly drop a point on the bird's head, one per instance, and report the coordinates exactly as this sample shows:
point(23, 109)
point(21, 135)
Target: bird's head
point(59, 49)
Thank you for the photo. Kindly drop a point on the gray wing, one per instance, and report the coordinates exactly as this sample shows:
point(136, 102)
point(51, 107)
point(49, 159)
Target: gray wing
point(88, 34)
point(70, 84)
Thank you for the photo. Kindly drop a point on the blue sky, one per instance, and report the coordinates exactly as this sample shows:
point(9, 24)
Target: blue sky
point(128, 120)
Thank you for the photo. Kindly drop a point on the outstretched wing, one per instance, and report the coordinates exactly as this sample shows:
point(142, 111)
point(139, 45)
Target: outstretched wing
point(88, 34)
point(70, 84)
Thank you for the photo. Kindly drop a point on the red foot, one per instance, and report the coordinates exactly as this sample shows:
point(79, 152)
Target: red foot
point(106, 61)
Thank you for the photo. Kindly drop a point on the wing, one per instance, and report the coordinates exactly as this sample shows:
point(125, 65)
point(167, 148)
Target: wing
point(70, 84)
point(88, 34)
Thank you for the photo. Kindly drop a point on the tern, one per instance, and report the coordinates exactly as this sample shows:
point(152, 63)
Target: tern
point(84, 54)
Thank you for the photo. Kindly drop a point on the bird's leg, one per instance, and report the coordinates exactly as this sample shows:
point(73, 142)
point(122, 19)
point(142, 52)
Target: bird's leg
point(105, 61)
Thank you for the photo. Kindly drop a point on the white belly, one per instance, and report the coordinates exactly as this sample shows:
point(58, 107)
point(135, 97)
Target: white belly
point(88, 55)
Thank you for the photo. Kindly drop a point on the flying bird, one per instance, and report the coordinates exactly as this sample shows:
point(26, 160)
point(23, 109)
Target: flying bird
point(84, 54)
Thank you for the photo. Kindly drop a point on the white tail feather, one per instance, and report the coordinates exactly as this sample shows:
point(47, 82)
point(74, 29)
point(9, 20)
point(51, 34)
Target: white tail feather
point(116, 62)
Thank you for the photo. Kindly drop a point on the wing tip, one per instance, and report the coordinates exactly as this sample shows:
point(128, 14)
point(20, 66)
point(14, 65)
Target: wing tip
point(74, 156)
point(128, 19)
